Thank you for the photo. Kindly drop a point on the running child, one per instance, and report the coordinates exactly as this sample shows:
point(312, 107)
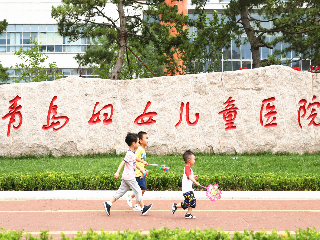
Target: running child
point(128, 179)
point(141, 162)
point(187, 180)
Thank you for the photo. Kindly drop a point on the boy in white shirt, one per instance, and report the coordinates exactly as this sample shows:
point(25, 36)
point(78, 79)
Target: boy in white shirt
point(128, 176)
point(187, 180)
point(141, 162)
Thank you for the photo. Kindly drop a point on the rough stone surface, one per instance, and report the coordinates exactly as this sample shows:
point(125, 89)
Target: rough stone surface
point(205, 95)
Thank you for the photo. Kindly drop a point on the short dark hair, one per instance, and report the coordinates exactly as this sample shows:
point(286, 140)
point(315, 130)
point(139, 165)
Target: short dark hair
point(187, 155)
point(140, 134)
point(130, 138)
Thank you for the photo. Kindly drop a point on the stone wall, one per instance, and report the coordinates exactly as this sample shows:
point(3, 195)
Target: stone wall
point(205, 93)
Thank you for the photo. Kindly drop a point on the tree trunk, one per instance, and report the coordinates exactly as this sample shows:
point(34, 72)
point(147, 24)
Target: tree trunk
point(122, 41)
point(254, 41)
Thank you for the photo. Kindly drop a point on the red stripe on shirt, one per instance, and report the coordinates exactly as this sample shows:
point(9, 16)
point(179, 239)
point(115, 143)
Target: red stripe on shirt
point(187, 171)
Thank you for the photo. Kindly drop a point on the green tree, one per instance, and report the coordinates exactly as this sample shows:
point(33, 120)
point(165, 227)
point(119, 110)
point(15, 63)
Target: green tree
point(138, 23)
point(302, 32)
point(31, 69)
point(4, 76)
point(203, 52)
point(101, 57)
point(243, 19)
point(3, 25)
point(295, 23)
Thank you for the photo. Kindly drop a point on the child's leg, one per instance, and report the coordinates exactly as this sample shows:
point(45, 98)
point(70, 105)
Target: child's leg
point(189, 210)
point(143, 191)
point(136, 191)
point(142, 184)
point(124, 187)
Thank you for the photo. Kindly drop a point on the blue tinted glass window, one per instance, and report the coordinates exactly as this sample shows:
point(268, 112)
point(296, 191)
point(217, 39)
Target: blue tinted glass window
point(26, 38)
point(34, 36)
point(226, 53)
point(26, 28)
point(58, 49)
point(246, 64)
point(245, 51)
point(19, 28)
point(305, 65)
point(228, 66)
point(34, 28)
point(235, 51)
point(11, 72)
point(66, 71)
point(235, 65)
point(50, 48)
point(50, 28)
point(285, 45)
point(3, 38)
point(264, 52)
point(66, 49)
point(42, 28)
point(11, 28)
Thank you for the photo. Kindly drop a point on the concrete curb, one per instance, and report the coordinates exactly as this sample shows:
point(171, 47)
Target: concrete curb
point(156, 195)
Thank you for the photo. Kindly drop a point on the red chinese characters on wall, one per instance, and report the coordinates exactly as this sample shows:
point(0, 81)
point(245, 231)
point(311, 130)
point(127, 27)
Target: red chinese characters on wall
point(140, 119)
point(95, 116)
point(229, 114)
point(187, 116)
point(55, 120)
point(13, 112)
point(313, 113)
point(270, 115)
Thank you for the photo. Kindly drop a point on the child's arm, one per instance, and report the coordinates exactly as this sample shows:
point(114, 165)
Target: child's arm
point(116, 175)
point(142, 161)
point(193, 180)
point(140, 170)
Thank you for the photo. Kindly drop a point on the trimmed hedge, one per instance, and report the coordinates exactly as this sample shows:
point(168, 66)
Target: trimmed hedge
point(158, 181)
point(165, 234)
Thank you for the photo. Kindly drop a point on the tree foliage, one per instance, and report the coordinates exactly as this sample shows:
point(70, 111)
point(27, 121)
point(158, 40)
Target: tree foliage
point(32, 69)
point(293, 22)
point(3, 25)
point(137, 25)
point(101, 57)
point(302, 31)
point(203, 52)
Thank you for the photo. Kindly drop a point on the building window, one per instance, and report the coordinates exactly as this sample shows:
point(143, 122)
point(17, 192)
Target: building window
point(17, 36)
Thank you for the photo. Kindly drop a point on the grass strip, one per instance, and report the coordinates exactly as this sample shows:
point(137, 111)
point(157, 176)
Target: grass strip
point(205, 163)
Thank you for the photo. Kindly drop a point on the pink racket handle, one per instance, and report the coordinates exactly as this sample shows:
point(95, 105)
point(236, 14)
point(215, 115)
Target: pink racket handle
point(203, 186)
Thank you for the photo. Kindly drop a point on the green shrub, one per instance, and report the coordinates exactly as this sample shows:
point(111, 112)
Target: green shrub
point(170, 234)
point(158, 181)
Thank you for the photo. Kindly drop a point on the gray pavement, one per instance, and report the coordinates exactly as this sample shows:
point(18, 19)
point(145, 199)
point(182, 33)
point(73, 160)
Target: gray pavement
point(157, 195)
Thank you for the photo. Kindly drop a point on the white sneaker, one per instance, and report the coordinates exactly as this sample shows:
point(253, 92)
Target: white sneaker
point(136, 207)
point(129, 200)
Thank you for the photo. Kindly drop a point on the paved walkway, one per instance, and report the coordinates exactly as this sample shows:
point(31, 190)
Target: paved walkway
point(106, 194)
point(247, 210)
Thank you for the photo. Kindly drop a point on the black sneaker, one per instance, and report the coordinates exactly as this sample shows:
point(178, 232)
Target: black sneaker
point(146, 209)
point(174, 208)
point(189, 216)
point(107, 208)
